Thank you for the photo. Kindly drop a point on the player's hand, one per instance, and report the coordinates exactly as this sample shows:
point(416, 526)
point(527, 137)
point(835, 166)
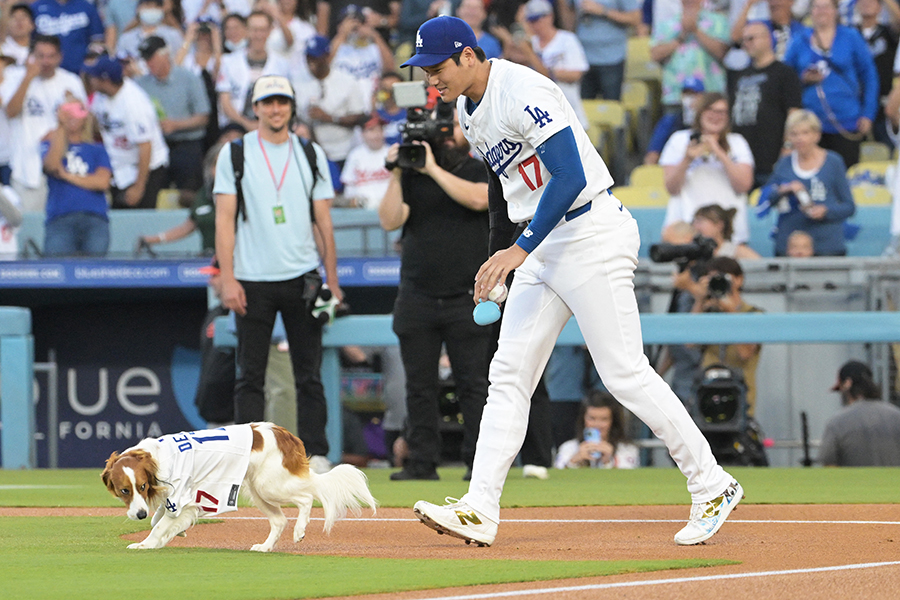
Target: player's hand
point(496, 269)
point(233, 296)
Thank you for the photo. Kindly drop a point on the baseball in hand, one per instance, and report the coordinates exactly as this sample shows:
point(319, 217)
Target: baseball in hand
point(498, 293)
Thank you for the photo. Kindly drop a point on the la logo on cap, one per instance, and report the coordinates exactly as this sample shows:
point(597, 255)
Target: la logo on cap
point(418, 40)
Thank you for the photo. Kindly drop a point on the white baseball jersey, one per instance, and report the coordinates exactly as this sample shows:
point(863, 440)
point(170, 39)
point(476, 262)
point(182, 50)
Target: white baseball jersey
point(583, 267)
point(37, 118)
point(205, 468)
point(520, 110)
point(126, 120)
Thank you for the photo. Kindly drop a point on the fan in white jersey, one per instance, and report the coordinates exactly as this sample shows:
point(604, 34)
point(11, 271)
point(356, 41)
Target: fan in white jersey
point(576, 256)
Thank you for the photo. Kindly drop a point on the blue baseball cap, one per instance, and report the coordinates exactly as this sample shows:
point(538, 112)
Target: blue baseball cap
point(317, 46)
point(692, 84)
point(440, 38)
point(105, 67)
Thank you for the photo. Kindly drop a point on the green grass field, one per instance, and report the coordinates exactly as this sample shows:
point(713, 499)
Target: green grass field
point(74, 558)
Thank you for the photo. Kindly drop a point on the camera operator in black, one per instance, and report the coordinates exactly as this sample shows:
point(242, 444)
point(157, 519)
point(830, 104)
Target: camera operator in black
point(442, 208)
point(718, 289)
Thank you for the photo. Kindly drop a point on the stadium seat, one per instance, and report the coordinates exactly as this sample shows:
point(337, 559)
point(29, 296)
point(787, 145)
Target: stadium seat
point(647, 175)
point(636, 100)
point(869, 172)
point(607, 127)
point(877, 195)
point(642, 196)
point(870, 150)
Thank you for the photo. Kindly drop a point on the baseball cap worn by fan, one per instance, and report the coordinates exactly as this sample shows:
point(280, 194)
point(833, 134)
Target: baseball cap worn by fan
point(854, 371)
point(440, 38)
point(318, 45)
point(692, 84)
point(535, 9)
point(271, 85)
point(105, 67)
point(151, 46)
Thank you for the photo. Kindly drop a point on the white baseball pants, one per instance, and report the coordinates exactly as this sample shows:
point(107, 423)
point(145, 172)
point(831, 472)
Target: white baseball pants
point(584, 267)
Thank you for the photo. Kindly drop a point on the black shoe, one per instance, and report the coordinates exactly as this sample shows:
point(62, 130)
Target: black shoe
point(468, 474)
point(404, 475)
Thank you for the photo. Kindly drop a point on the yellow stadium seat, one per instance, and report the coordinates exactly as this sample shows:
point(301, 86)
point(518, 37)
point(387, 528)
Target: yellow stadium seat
point(641, 196)
point(870, 150)
point(872, 171)
point(647, 175)
point(607, 127)
point(636, 100)
point(872, 195)
point(402, 54)
point(638, 47)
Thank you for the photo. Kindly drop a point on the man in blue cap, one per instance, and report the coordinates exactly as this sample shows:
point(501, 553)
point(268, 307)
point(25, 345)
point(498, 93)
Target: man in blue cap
point(576, 256)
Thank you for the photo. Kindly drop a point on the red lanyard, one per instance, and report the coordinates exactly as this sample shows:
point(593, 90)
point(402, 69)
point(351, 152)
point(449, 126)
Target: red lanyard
point(271, 172)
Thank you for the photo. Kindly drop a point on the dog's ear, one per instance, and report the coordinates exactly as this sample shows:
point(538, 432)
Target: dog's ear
point(107, 472)
point(151, 467)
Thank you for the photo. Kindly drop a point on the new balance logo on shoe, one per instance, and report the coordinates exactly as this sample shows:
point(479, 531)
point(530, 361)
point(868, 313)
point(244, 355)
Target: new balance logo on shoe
point(471, 517)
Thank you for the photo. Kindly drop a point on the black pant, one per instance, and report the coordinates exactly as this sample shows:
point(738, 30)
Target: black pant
point(186, 164)
point(848, 149)
point(155, 182)
point(424, 324)
point(304, 335)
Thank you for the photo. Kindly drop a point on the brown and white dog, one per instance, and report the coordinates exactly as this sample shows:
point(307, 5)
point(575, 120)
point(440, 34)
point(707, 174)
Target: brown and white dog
point(180, 477)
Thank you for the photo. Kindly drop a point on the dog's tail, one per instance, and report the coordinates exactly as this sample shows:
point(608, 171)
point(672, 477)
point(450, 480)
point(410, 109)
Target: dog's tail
point(341, 489)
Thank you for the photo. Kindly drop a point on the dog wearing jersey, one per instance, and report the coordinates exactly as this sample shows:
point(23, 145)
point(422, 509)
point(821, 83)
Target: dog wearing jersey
point(179, 478)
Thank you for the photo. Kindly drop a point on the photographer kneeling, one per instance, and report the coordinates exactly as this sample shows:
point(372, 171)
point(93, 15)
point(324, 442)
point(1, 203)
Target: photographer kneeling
point(718, 289)
point(442, 207)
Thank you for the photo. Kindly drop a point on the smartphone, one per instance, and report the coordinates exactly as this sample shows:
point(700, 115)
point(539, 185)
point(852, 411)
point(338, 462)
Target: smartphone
point(592, 434)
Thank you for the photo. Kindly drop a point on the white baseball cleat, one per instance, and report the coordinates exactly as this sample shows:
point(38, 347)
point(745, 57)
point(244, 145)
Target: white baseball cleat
point(535, 471)
point(457, 519)
point(708, 517)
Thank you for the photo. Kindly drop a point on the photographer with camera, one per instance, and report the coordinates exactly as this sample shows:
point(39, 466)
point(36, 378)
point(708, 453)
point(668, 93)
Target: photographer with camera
point(438, 194)
point(718, 290)
point(809, 188)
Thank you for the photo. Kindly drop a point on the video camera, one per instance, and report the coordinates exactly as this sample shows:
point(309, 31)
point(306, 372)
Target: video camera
point(702, 248)
point(421, 125)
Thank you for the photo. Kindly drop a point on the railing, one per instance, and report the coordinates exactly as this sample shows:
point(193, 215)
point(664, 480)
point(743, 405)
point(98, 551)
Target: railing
point(821, 327)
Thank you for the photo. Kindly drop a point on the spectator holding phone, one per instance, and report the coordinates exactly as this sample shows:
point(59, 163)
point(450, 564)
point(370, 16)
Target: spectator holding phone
point(603, 419)
point(840, 82)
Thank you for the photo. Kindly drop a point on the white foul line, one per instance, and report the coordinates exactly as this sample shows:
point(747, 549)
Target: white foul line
point(607, 586)
point(604, 521)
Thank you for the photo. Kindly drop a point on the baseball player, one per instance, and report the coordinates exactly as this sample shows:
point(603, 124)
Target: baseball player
point(576, 256)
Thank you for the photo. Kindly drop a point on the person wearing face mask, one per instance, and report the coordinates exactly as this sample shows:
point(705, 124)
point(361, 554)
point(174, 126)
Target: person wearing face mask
point(75, 22)
point(150, 22)
point(234, 32)
point(669, 123)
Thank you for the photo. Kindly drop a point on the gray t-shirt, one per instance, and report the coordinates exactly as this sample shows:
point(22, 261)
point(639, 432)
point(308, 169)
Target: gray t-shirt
point(864, 434)
point(180, 96)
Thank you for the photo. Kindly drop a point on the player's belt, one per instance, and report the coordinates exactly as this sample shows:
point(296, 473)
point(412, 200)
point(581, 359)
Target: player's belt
point(577, 212)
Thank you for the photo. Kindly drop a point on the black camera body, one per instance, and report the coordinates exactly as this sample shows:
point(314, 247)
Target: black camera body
point(702, 248)
point(423, 126)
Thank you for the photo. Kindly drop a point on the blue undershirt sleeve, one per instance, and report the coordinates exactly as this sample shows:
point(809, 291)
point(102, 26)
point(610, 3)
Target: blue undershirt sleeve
point(560, 155)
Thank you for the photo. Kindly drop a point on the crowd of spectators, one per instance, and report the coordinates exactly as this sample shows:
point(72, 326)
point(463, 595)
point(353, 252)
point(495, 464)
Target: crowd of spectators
point(194, 62)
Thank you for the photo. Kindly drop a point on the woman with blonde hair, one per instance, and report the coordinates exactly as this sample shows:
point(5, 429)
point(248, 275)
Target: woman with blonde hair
point(809, 188)
point(708, 164)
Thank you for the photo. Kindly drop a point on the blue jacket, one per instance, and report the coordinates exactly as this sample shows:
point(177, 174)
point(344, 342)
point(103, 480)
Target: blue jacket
point(851, 85)
point(829, 187)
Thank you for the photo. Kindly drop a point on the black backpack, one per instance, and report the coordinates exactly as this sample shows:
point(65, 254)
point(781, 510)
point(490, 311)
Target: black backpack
point(237, 164)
